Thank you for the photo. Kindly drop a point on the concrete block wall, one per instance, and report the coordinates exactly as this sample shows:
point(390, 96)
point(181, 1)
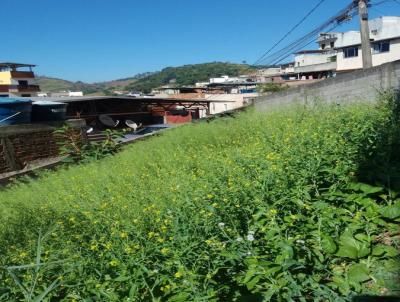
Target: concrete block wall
point(360, 85)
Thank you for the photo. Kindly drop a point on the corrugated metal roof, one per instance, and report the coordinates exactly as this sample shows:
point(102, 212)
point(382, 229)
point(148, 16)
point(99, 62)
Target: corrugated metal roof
point(16, 65)
point(126, 98)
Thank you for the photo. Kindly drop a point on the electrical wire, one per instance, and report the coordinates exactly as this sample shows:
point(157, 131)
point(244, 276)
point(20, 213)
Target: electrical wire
point(345, 14)
point(338, 18)
point(290, 31)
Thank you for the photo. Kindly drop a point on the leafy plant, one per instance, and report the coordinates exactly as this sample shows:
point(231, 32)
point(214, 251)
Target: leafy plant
point(272, 87)
point(76, 148)
point(28, 277)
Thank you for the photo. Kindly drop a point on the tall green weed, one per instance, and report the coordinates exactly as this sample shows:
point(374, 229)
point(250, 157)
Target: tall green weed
point(261, 207)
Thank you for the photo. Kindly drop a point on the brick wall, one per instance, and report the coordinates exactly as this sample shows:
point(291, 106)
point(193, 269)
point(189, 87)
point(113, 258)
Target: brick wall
point(22, 144)
point(3, 164)
point(32, 146)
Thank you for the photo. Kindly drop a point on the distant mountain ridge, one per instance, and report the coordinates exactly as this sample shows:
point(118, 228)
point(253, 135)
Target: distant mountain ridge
point(145, 82)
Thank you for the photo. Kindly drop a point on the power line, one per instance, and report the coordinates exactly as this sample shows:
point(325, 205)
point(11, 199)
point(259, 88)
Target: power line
point(397, 1)
point(291, 30)
point(338, 18)
point(302, 46)
point(345, 14)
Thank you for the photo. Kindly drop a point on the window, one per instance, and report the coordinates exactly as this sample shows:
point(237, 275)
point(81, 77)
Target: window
point(23, 83)
point(26, 95)
point(332, 44)
point(4, 96)
point(383, 46)
point(350, 52)
point(323, 46)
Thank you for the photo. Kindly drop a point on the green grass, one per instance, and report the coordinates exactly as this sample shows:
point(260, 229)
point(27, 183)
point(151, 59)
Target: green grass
point(299, 204)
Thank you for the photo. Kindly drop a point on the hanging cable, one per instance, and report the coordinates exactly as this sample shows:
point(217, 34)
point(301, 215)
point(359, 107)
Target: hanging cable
point(342, 16)
point(291, 30)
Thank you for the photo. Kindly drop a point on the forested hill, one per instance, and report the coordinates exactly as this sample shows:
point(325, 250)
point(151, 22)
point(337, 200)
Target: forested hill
point(189, 74)
point(145, 82)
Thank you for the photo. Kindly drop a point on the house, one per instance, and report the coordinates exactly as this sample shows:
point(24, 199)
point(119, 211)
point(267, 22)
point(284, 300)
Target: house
point(224, 79)
point(385, 42)
point(66, 94)
point(219, 103)
point(341, 51)
point(17, 80)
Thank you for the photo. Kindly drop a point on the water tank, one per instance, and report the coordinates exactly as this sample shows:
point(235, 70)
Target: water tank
point(47, 111)
point(15, 111)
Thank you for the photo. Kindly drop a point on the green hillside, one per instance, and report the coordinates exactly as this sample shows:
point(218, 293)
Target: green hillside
point(189, 74)
point(48, 84)
point(298, 204)
point(145, 82)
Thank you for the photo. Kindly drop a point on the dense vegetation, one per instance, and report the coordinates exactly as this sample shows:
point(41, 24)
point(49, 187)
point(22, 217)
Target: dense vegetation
point(300, 204)
point(189, 75)
point(145, 82)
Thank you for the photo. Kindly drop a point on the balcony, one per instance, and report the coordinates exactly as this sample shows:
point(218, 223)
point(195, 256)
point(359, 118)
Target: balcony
point(19, 88)
point(329, 66)
point(28, 88)
point(22, 74)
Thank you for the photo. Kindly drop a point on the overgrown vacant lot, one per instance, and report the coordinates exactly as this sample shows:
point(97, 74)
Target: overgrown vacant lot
point(300, 204)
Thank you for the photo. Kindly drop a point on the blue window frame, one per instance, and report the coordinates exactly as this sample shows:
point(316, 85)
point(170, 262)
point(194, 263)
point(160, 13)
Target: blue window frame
point(350, 52)
point(383, 46)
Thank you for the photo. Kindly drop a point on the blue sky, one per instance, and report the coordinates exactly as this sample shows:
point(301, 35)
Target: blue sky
point(98, 40)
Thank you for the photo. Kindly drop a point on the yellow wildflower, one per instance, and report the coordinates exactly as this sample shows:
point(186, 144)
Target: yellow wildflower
point(23, 254)
point(108, 245)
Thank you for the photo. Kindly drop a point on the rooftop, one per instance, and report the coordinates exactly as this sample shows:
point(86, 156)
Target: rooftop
point(311, 51)
point(15, 65)
point(125, 98)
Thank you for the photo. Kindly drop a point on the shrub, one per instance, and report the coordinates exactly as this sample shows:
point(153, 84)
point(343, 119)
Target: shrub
point(76, 149)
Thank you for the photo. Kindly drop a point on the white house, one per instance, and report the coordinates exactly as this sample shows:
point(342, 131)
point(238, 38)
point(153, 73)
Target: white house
point(385, 42)
point(224, 79)
point(225, 102)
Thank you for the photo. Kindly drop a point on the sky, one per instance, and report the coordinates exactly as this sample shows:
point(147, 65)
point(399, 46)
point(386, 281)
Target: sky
point(100, 40)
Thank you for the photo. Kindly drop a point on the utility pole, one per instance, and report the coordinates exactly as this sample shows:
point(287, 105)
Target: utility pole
point(364, 30)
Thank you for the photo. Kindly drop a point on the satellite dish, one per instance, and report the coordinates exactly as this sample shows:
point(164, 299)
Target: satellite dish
point(131, 124)
point(108, 121)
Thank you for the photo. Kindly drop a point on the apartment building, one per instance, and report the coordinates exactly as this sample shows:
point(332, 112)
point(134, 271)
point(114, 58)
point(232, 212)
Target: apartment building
point(341, 51)
point(385, 42)
point(17, 80)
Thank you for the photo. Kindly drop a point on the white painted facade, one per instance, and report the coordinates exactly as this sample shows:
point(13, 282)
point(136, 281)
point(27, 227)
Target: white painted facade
point(75, 93)
point(224, 79)
point(225, 102)
point(313, 58)
point(385, 42)
point(269, 71)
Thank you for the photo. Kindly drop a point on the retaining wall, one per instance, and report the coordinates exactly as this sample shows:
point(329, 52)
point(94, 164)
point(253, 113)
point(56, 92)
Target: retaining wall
point(360, 85)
